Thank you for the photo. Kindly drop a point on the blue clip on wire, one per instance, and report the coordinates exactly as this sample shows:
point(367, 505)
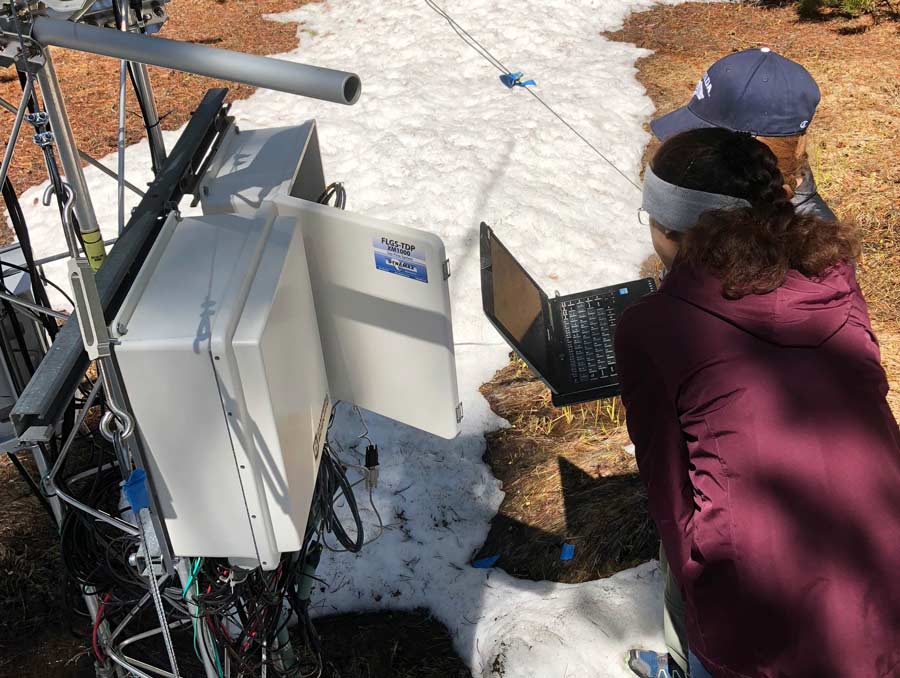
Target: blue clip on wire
point(136, 490)
point(515, 80)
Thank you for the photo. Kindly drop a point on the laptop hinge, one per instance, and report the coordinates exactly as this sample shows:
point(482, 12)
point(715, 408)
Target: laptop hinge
point(551, 325)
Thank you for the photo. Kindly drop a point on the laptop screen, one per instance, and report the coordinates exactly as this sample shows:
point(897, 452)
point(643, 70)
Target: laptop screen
point(515, 303)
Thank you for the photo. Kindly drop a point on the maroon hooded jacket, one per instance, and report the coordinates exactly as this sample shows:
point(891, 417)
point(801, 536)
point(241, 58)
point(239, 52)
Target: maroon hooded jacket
point(772, 466)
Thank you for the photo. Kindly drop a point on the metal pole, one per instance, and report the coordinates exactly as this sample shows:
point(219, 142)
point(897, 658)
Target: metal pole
point(123, 77)
point(108, 172)
point(144, 91)
point(37, 308)
point(285, 76)
point(68, 155)
point(45, 260)
point(41, 463)
point(17, 126)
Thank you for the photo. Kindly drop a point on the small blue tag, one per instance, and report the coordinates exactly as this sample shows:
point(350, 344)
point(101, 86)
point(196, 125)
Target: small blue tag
point(515, 80)
point(486, 563)
point(623, 290)
point(568, 552)
point(136, 490)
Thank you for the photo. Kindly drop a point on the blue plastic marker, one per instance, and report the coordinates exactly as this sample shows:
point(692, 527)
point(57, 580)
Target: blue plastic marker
point(568, 552)
point(486, 563)
point(136, 490)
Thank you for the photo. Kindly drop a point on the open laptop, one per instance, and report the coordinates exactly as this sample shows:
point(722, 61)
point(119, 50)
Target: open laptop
point(567, 341)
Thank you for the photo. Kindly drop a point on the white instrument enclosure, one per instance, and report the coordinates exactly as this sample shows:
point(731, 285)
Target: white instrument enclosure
point(384, 320)
point(222, 363)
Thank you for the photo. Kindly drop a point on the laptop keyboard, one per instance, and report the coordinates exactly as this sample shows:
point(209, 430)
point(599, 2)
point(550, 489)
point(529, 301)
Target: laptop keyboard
point(589, 324)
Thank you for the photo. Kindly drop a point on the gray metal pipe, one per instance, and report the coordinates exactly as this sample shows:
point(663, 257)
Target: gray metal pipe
point(17, 126)
point(285, 76)
point(144, 91)
point(65, 145)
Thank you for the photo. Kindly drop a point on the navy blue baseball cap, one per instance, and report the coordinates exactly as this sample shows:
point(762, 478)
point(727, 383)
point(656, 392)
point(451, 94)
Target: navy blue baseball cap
point(755, 91)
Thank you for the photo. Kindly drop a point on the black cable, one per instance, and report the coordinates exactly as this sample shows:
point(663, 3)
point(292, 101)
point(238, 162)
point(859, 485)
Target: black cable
point(19, 334)
point(335, 190)
point(42, 278)
point(334, 479)
point(21, 230)
point(35, 488)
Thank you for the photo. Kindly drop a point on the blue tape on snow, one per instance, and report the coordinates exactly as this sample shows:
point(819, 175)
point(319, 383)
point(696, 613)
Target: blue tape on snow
point(136, 490)
point(486, 563)
point(515, 80)
point(568, 552)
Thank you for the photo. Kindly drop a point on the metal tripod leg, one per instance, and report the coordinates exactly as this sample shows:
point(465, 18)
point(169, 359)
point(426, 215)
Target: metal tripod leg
point(71, 162)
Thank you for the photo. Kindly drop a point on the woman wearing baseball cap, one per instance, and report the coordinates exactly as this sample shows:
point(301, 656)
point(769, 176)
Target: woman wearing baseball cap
point(774, 99)
point(756, 401)
point(764, 94)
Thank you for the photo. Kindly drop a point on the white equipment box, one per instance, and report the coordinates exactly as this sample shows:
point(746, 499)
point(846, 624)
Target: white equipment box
point(381, 290)
point(222, 362)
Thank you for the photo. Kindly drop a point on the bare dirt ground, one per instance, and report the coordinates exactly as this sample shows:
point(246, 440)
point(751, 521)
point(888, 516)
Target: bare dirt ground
point(558, 467)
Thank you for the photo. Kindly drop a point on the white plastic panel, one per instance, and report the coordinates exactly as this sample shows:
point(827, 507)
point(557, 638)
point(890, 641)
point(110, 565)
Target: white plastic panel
point(164, 356)
point(255, 165)
point(279, 357)
point(386, 334)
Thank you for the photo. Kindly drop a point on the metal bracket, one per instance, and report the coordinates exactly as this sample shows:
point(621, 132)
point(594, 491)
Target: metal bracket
point(38, 119)
point(90, 311)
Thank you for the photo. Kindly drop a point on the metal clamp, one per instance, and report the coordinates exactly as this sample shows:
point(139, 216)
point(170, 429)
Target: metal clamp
point(37, 119)
point(44, 139)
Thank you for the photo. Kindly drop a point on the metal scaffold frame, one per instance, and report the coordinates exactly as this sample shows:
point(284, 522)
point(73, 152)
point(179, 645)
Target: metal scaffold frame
point(52, 406)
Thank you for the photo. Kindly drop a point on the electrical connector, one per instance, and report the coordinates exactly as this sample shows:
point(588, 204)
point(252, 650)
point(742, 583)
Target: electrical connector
point(372, 466)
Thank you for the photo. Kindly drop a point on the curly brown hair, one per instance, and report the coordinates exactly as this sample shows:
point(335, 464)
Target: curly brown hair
point(750, 249)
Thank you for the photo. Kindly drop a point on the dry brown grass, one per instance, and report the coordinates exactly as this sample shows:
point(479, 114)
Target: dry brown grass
point(568, 479)
point(854, 148)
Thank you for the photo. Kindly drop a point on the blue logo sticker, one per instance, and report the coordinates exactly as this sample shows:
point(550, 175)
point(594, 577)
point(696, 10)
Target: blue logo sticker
point(623, 290)
point(400, 258)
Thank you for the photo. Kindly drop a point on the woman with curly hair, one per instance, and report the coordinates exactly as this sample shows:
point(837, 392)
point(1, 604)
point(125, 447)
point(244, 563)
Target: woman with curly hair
point(757, 404)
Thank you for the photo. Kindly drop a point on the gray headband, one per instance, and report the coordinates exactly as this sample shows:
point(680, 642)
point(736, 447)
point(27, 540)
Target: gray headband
point(679, 209)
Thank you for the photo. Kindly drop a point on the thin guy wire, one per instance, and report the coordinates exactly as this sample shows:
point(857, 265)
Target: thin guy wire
point(496, 63)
